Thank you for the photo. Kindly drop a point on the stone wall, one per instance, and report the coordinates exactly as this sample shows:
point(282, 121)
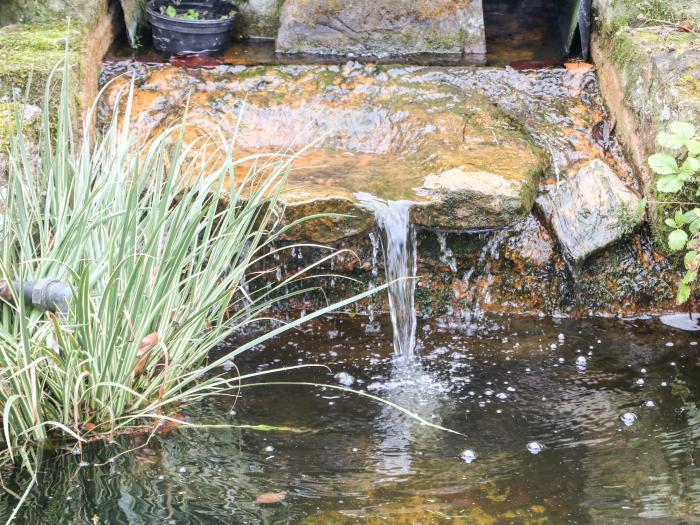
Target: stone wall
point(648, 64)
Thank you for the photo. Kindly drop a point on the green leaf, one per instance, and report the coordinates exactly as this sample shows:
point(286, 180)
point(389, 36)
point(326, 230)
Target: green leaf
point(679, 219)
point(689, 277)
point(691, 165)
point(690, 216)
point(694, 226)
point(663, 164)
point(669, 184)
point(670, 223)
point(669, 140)
point(689, 258)
point(683, 293)
point(677, 240)
point(682, 129)
point(693, 147)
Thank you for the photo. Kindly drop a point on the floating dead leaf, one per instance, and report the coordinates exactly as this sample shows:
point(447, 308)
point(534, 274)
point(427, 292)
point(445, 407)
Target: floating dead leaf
point(88, 427)
point(271, 498)
point(578, 68)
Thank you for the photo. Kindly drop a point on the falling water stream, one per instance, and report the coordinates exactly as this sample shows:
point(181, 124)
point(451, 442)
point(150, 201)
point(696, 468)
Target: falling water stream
point(399, 247)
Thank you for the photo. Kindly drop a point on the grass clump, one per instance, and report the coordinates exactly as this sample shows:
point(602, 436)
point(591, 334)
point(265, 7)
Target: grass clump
point(161, 261)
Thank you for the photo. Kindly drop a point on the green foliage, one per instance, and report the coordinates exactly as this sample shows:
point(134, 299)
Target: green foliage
point(676, 170)
point(190, 14)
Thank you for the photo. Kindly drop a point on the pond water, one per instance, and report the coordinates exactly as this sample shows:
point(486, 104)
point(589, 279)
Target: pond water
point(564, 421)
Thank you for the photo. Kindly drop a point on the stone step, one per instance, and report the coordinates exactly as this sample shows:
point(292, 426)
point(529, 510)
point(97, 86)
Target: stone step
point(394, 132)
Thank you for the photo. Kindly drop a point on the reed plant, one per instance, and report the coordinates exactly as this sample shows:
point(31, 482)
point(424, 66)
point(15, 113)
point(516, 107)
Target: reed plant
point(162, 243)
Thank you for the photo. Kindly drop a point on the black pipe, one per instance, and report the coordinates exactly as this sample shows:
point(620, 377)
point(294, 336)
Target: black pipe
point(47, 294)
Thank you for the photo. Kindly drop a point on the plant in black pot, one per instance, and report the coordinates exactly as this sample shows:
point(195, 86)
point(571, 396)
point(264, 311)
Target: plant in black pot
point(191, 27)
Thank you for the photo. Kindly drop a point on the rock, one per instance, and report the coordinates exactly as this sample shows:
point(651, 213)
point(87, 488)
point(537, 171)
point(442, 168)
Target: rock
point(590, 211)
point(397, 133)
point(476, 199)
point(382, 27)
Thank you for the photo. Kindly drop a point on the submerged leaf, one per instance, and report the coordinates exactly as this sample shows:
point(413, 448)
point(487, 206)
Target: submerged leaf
point(271, 498)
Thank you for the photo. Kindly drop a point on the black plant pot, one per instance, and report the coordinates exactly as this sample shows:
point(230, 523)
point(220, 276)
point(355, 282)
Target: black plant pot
point(209, 35)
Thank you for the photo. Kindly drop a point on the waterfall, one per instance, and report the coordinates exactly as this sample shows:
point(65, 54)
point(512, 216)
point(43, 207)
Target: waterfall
point(399, 248)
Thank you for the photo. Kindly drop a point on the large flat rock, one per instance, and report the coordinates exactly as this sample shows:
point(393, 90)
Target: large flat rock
point(394, 132)
point(382, 27)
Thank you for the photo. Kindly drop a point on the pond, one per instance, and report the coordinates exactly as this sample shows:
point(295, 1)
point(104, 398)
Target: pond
point(563, 421)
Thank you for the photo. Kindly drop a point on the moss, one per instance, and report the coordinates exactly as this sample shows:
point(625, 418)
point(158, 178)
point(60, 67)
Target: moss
point(30, 52)
point(690, 85)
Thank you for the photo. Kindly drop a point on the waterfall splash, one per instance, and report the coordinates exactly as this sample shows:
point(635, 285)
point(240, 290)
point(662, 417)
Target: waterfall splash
point(399, 247)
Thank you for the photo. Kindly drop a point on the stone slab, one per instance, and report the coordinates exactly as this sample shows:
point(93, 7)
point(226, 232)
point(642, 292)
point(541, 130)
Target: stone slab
point(382, 27)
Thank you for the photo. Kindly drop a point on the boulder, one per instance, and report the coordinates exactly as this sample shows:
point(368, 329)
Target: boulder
point(590, 211)
point(382, 27)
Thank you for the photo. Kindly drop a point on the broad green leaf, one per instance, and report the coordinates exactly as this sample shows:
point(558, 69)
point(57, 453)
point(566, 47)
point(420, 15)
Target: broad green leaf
point(682, 129)
point(690, 216)
point(689, 258)
point(694, 226)
point(663, 164)
point(677, 240)
point(693, 147)
point(669, 184)
point(669, 140)
point(690, 277)
point(679, 218)
point(670, 223)
point(683, 293)
point(691, 165)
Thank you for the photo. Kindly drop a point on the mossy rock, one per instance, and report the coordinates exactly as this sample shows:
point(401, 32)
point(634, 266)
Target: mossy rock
point(615, 14)
point(30, 54)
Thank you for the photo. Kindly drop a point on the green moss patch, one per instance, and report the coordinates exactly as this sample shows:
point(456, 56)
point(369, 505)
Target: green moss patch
point(29, 54)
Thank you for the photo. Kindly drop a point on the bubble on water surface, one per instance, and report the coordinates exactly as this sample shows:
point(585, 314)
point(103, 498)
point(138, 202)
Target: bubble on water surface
point(581, 362)
point(650, 404)
point(533, 447)
point(640, 381)
point(502, 395)
point(468, 456)
point(628, 418)
point(344, 378)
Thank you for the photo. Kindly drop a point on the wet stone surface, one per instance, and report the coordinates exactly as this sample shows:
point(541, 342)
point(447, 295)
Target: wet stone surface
point(590, 210)
point(467, 145)
point(382, 27)
point(546, 439)
point(409, 133)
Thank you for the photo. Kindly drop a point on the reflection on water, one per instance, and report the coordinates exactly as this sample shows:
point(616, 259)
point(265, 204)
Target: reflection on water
point(561, 383)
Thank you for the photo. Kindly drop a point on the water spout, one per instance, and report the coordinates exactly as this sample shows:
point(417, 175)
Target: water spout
point(399, 247)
